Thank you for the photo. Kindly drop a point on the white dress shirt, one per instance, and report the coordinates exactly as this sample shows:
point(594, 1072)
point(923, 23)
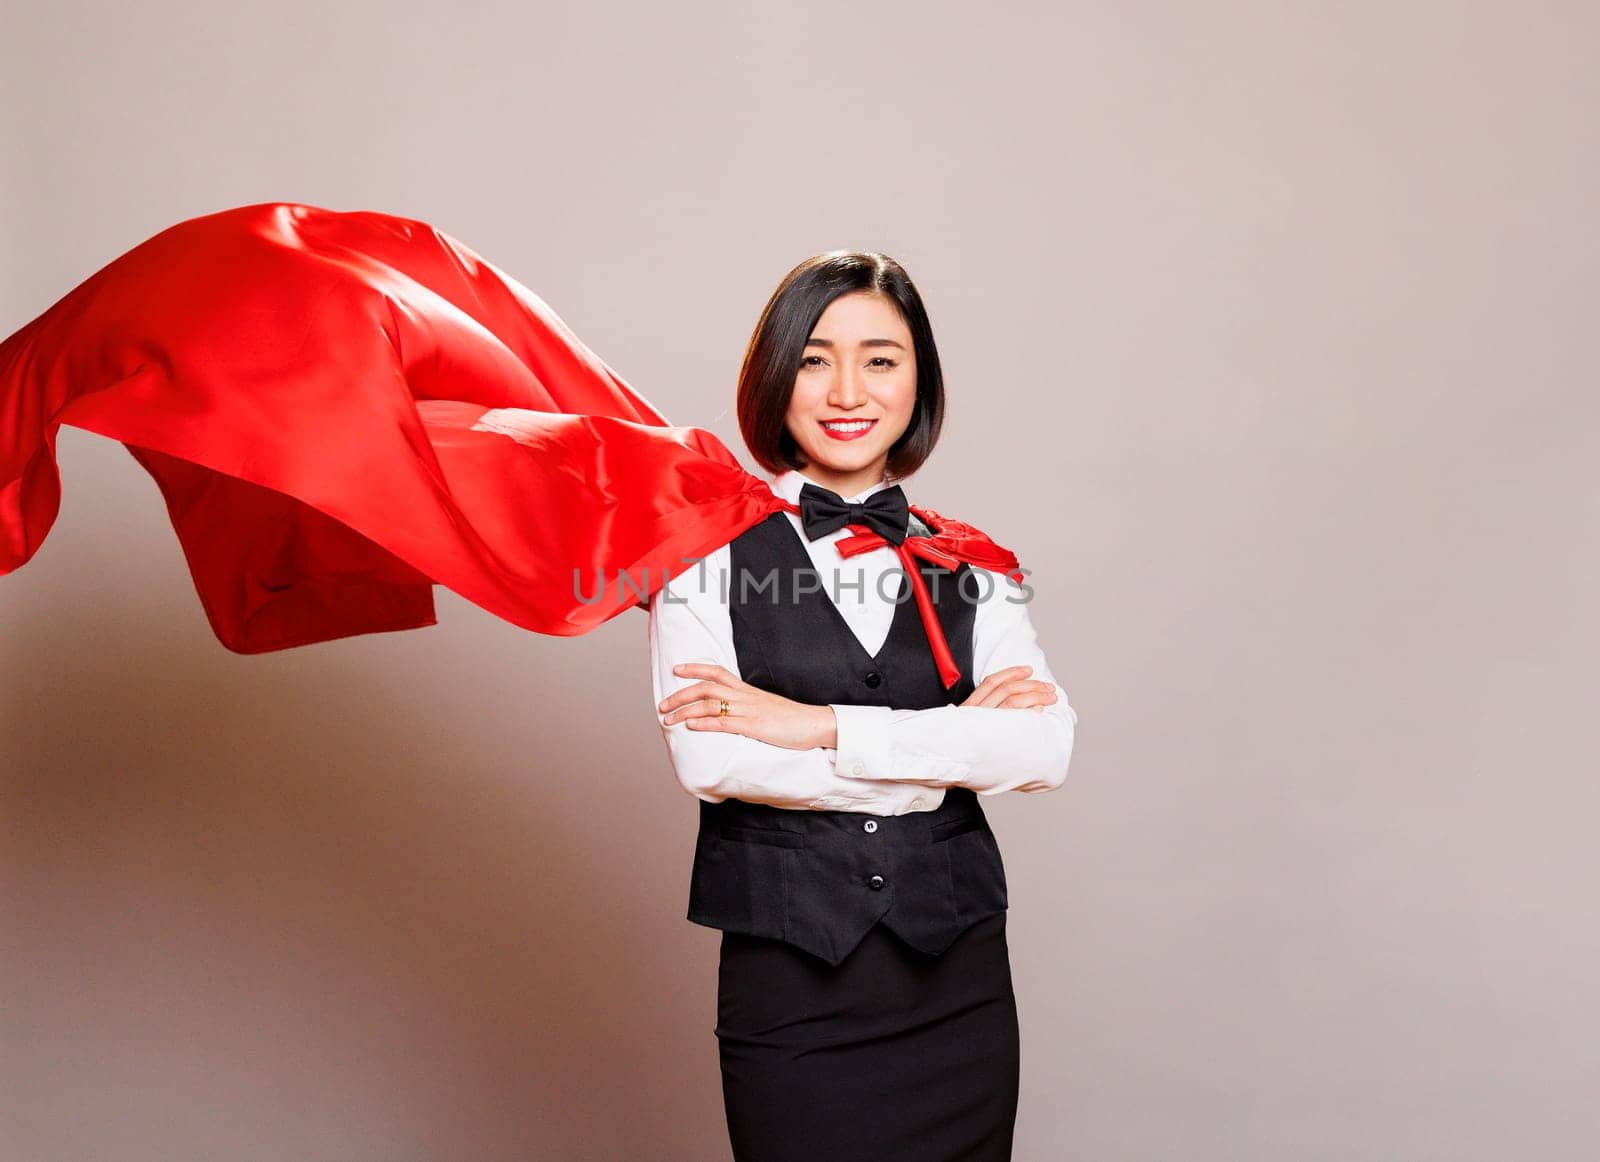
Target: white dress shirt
point(887, 761)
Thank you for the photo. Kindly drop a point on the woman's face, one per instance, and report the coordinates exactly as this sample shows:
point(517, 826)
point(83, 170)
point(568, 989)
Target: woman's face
point(854, 393)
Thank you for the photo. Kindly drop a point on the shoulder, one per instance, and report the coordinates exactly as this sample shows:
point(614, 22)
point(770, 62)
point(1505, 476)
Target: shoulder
point(962, 541)
point(941, 522)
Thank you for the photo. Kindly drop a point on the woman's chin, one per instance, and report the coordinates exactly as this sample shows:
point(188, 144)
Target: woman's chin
point(844, 459)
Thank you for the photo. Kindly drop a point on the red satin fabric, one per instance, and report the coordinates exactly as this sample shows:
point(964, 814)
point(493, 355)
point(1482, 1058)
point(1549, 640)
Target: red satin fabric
point(344, 409)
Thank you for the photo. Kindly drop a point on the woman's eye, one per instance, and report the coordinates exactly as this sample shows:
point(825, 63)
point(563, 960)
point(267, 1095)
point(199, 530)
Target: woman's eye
point(817, 361)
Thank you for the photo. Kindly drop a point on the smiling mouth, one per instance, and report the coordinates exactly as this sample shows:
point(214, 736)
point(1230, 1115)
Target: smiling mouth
point(847, 429)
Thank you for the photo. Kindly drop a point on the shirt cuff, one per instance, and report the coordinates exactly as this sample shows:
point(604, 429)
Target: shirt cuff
point(863, 750)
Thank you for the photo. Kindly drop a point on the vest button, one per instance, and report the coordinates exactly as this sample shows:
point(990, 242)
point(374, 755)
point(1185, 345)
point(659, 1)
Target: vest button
point(875, 883)
point(873, 679)
point(870, 826)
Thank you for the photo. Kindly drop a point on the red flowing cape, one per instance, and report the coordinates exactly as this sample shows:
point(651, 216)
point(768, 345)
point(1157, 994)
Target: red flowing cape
point(344, 409)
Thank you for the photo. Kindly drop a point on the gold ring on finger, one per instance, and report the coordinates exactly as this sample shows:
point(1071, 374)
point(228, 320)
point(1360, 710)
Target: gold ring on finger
point(723, 713)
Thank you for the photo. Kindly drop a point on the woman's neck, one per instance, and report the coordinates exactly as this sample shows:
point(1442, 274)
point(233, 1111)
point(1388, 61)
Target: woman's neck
point(846, 484)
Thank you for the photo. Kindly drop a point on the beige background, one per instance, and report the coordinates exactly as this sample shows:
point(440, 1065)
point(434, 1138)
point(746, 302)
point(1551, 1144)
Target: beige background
point(1270, 339)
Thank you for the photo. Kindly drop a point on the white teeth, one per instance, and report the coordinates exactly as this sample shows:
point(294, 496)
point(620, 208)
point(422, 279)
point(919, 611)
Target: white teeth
point(847, 426)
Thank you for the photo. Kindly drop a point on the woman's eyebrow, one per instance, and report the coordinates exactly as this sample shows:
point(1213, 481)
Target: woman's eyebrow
point(864, 343)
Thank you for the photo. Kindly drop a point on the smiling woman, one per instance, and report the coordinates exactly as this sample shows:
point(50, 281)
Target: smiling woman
point(854, 391)
point(864, 1005)
point(845, 339)
point(343, 410)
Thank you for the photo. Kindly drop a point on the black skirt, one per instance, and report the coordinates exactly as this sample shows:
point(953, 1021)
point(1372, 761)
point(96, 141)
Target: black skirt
point(892, 1055)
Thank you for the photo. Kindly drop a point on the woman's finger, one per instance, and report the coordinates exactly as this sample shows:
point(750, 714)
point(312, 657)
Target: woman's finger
point(693, 693)
point(704, 670)
point(1008, 674)
point(706, 714)
point(999, 695)
point(993, 690)
point(1028, 699)
point(1034, 688)
point(700, 708)
point(984, 694)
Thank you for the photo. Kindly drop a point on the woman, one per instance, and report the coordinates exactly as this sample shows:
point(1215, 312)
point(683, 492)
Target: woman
point(345, 409)
point(864, 1006)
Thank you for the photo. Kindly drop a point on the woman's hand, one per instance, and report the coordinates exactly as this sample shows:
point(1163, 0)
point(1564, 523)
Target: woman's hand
point(772, 718)
point(752, 712)
point(1012, 688)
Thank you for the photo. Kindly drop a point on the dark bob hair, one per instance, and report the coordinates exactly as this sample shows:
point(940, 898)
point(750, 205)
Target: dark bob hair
point(772, 360)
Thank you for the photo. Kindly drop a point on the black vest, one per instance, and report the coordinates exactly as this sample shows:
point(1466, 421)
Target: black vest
point(821, 879)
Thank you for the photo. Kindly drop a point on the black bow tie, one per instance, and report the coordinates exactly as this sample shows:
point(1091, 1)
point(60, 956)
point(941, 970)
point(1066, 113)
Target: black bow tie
point(885, 512)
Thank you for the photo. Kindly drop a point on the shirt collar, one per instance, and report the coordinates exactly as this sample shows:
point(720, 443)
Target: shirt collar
point(789, 483)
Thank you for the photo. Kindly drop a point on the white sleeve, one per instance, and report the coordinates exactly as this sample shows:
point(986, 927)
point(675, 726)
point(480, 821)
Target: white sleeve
point(689, 622)
point(987, 748)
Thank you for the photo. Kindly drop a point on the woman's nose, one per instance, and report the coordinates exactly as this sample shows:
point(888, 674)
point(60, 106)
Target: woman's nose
point(848, 390)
